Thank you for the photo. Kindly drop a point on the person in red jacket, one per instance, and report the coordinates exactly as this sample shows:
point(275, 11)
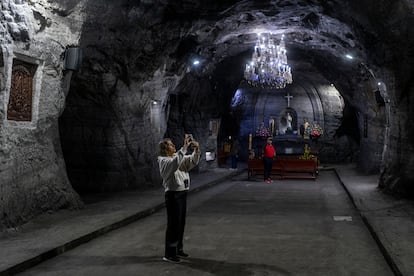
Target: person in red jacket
point(269, 153)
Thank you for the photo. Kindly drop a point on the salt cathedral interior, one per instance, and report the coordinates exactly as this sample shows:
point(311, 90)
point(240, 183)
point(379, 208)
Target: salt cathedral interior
point(89, 88)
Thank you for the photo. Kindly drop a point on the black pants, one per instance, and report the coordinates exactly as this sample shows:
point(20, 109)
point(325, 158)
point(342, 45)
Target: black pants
point(176, 204)
point(268, 163)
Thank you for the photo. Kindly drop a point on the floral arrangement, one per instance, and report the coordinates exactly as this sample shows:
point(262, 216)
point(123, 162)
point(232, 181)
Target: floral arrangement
point(262, 131)
point(314, 130)
point(306, 154)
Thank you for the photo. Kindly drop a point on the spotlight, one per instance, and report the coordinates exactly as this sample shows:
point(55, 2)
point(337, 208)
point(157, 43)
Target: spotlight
point(348, 56)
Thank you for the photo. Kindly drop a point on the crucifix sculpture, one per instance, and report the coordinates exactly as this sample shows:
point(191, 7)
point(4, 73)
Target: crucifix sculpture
point(288, 97)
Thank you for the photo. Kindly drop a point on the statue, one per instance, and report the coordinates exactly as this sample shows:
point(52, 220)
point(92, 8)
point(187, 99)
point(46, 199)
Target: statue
point(306, 129)
point(272, 126)
point(288, 121)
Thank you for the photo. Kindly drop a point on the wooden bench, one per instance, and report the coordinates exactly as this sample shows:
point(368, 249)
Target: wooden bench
point(285, 167)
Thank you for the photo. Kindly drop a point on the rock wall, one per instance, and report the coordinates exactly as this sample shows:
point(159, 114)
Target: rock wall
point(117, 106)
point(398, 149)
point(32, 169)
point(392, 49)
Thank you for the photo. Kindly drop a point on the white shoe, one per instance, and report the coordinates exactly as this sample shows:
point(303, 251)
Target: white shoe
point(174, 260)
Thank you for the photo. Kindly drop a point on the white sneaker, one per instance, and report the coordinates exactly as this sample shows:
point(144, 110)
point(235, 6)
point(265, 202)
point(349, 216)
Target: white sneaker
point(174, 260)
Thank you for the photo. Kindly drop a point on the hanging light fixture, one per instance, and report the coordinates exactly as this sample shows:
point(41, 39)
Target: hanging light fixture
point(268, 67)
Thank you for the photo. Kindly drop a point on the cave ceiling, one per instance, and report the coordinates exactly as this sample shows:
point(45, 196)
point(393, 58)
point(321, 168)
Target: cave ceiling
point(318, 35)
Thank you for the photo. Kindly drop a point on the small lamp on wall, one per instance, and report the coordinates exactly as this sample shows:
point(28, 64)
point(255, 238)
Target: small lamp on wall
point(73, 58)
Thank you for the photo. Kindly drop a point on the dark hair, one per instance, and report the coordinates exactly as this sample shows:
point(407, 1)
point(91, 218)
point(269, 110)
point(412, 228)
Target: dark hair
point(164, 147)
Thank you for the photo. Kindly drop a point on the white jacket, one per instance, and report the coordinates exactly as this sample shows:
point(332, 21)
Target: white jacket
point(174, 170)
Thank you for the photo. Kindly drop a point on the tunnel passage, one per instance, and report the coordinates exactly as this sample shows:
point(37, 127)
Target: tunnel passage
point(111, 99)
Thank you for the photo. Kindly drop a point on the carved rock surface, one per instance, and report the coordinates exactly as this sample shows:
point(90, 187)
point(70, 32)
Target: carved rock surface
point(32, 169)
point(137, 84)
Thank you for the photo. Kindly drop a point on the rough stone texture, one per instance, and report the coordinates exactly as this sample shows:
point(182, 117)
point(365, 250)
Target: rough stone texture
point(130, 48)
point(32, 169)
point(138, 52)
point(111, 128)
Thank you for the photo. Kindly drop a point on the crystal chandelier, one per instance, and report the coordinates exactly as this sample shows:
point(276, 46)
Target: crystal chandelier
point(268, 67)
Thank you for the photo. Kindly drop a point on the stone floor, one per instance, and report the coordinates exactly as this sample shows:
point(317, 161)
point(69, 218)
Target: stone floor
point(389, 220)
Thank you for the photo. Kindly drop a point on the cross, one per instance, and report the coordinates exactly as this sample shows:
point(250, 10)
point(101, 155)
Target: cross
point(288, 97)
